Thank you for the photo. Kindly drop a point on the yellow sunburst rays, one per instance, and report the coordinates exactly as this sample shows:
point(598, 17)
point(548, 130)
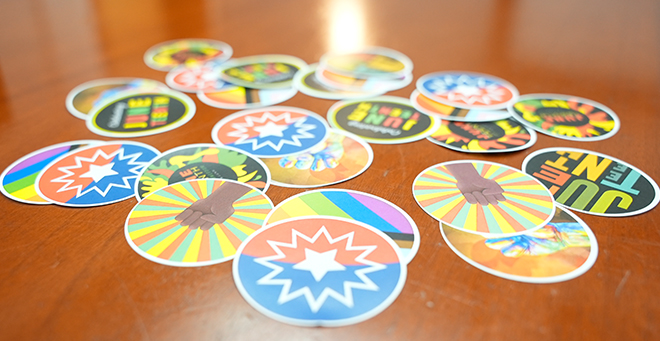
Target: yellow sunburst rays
point(567, 131)
point(535, 208)
point(508, 128)
point(166, 239)
point(437, 193)
point(434, 187)
point(445, 135)
point(157, 229)
point(607, 123)
point(528, 112)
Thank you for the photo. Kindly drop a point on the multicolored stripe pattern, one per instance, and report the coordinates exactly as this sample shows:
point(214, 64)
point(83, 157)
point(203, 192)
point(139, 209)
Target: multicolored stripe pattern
point(528, 206)
point(18, 180)
point(153, 232)
point(368, 209)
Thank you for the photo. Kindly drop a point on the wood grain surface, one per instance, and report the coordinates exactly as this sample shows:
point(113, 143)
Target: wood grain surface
point(69, 273)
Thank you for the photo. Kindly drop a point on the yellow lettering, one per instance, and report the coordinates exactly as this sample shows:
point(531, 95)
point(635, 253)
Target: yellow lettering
point(159, 114)
point(554, 103)
point(590, 164)
point(160, 100)
point(283, 68)
point(607, 199)
point(409, 124)
point(360, 112)
point(139, 102)
point(135, 125)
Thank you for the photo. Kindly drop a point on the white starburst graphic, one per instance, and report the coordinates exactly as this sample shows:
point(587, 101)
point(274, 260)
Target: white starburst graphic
point(97, 173)
point(93, 172)
point(315, 303)
point(266, 125)
point(319, 263)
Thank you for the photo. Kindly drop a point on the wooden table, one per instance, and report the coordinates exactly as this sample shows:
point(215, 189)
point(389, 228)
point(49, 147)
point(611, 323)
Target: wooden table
point(70, 274)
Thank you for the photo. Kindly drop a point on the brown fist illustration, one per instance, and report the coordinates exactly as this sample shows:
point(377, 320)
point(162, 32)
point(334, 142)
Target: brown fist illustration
point(214, 209)
point(475, 188)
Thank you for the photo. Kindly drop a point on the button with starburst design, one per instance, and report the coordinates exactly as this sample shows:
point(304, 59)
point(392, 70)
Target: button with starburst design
point(272, 131)
point(319, 271)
